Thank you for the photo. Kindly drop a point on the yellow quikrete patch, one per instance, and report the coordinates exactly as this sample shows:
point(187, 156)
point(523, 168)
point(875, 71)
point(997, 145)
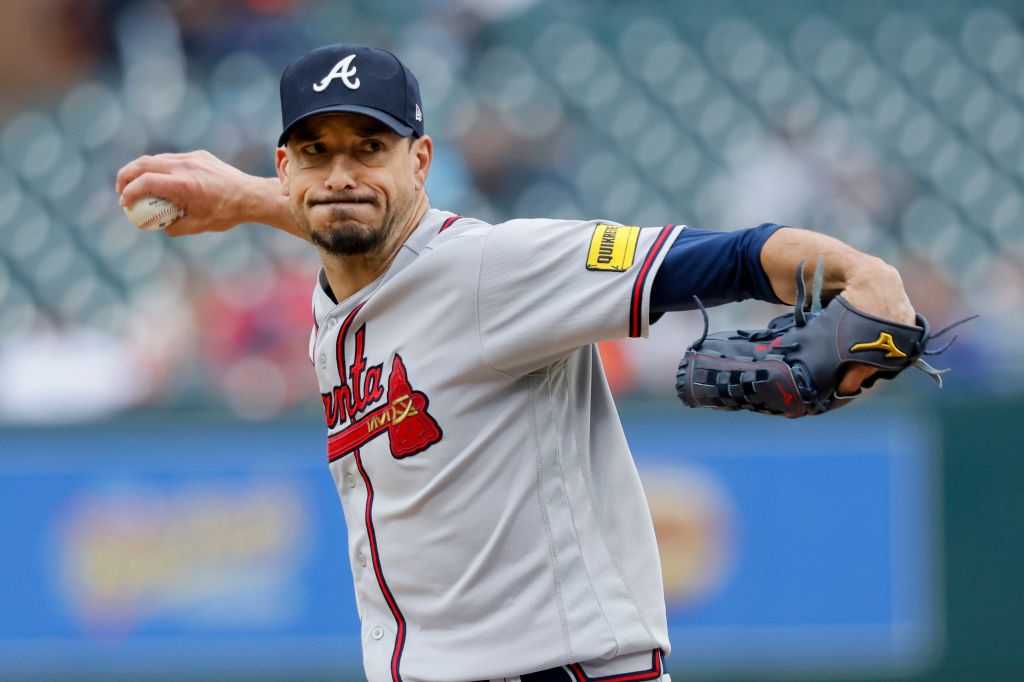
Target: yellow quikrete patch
point(613, 247)
point(883, 342)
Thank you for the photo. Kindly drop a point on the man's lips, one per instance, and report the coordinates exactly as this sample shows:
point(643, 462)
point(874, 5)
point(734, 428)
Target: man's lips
point(339, 202)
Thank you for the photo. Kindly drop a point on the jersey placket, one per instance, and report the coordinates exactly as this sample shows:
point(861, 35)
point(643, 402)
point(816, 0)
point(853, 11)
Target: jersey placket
point(348, 472)
point(377, 632)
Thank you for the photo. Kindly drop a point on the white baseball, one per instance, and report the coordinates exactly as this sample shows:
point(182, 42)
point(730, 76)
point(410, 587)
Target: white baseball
point(153, 213)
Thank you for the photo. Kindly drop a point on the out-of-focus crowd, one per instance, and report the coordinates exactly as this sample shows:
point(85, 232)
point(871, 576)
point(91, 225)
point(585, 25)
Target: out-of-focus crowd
point(898, 129)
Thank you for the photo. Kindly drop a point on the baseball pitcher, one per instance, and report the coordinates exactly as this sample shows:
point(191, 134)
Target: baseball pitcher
point(497, 527)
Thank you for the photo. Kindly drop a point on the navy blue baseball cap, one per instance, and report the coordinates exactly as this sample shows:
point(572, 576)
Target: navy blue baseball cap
point(355, 78)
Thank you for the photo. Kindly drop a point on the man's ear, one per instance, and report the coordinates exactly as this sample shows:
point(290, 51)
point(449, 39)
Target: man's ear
point(282, 162)
point(423, 153)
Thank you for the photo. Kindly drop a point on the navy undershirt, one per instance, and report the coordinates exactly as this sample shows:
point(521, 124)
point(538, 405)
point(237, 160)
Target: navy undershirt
point(718, 267)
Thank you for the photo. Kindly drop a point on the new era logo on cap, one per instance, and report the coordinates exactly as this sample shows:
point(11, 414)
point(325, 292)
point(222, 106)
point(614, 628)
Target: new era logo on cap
point(351, 78)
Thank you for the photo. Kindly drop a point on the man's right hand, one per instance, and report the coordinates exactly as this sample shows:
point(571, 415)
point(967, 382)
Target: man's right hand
point(214, 195)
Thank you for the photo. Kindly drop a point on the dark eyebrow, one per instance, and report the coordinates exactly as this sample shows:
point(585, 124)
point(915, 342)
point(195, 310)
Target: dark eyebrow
point(304, 132)
point(305, 136)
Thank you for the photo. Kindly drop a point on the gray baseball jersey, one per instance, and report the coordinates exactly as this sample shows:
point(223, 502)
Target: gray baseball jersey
point(496, 521)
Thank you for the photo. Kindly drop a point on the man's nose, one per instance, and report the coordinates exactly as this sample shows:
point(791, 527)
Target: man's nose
point(342, 175)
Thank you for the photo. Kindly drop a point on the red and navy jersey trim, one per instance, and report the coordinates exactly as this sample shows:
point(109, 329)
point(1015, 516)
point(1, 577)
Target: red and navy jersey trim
point(448, 223)
point(396, 654)
point(316, 333)
point(339, 351)
point(636, 301)
point(652, 673)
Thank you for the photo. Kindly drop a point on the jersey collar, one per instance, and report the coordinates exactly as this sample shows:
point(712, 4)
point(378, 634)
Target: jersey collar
point(324, 303)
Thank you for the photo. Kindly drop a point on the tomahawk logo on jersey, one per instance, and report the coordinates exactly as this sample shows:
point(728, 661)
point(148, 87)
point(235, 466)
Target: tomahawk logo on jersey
point(402, 416)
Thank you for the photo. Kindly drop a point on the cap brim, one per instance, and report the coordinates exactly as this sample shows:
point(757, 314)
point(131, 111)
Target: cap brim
point(385, 118)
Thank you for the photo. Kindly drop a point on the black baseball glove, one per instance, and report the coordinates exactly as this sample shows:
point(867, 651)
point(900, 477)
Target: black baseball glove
point(792, 368)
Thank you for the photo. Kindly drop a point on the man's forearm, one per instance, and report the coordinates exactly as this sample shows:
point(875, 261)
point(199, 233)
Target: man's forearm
point(215, 196)
point(265, 204)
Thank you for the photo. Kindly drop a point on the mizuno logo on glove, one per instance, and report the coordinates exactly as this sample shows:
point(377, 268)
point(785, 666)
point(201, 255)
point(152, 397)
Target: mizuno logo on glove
point(883, 342)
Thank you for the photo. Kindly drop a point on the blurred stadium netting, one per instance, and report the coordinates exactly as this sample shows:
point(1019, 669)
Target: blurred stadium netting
point(896, 127)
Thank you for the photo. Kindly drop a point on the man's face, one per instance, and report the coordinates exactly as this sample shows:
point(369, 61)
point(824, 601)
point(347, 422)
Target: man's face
point(351, 180)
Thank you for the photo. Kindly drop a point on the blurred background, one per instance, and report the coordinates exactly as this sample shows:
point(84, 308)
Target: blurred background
point(883, 542)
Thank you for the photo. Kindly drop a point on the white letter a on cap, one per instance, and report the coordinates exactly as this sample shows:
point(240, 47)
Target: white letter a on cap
point(343, 70)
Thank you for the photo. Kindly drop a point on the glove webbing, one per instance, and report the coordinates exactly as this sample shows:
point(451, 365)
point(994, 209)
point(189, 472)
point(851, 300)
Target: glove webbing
point(731, 382)
point(735, 388)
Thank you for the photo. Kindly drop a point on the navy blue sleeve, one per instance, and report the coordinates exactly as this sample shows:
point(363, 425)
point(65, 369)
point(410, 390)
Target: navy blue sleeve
point(717, 267)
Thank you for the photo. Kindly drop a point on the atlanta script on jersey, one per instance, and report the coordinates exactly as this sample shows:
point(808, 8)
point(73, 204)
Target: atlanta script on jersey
point(495, 517)
point(402, 415)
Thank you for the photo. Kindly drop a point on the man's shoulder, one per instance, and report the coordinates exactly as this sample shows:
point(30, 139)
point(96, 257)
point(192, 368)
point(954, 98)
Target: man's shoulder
point(455, 224)
point(459, 234)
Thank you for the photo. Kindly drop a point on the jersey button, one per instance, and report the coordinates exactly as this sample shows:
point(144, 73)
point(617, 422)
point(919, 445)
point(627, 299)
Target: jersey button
point(323, 361)
point(361, 559)
point(350, 480)
point(377, 632)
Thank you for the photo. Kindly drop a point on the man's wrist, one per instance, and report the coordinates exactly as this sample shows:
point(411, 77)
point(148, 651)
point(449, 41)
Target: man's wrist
point(876, 287)
point(864, 270)
point(256, 201)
